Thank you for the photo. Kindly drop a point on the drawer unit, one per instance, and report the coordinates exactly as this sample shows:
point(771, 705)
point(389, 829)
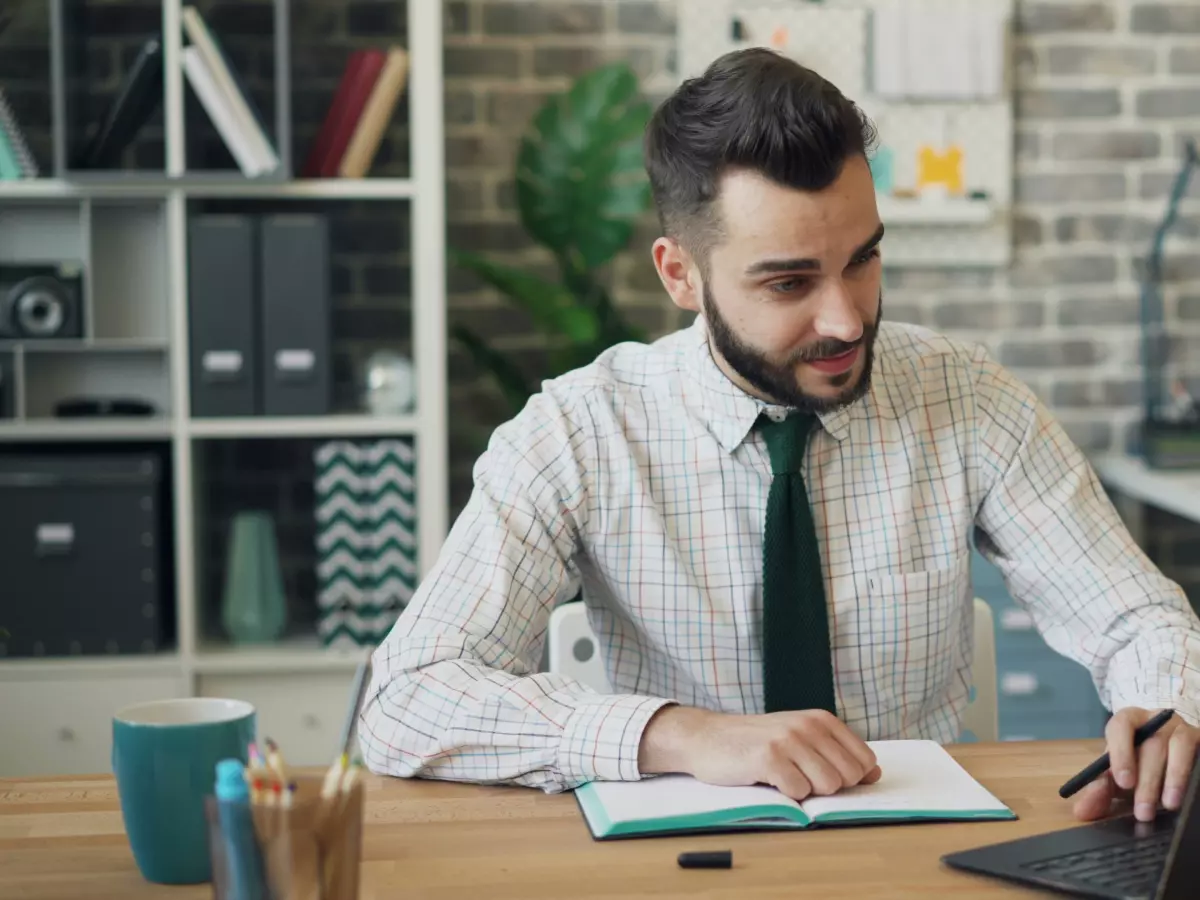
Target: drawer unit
point(1041, 694)
point(303, 713)
point(84, 554)
point(62, 725)
point(1044, 682)
point(1054, 726)
point(8, 389)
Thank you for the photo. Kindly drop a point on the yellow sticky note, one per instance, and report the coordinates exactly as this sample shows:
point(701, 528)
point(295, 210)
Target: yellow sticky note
point(934, 168)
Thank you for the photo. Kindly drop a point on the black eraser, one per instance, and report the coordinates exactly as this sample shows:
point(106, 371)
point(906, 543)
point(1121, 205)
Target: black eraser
point(706, 859)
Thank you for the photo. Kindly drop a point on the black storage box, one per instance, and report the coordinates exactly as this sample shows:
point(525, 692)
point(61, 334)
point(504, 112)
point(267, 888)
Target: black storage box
point(8, 390)
point(83, 555)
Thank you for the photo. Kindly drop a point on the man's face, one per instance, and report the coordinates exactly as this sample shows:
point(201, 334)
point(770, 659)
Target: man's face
point(791, 289)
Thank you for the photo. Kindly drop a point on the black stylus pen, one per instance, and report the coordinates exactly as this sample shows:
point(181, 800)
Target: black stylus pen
point(1100, 766)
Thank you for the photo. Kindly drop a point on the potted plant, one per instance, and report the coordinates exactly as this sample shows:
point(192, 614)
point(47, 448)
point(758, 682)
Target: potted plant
point(580, 191)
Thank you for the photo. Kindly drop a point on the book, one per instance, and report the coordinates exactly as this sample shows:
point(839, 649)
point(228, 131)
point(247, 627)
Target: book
point(358, 81)
point(137, 99)
point(920, 782)
point(221, 74)
point(200, 77)
point(381, 104)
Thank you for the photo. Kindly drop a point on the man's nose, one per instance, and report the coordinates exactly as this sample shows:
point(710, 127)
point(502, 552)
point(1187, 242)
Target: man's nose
point(838, 316)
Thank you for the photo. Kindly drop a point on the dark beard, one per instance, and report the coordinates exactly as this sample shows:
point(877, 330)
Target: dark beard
point(779, 381)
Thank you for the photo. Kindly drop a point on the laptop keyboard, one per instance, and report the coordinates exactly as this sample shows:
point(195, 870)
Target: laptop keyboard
point(1132, 867)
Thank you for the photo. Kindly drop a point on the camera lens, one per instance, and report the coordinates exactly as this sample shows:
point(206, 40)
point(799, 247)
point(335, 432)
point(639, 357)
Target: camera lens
point(39, 313)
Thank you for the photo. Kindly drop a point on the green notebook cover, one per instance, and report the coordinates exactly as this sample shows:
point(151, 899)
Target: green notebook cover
point(920, 782)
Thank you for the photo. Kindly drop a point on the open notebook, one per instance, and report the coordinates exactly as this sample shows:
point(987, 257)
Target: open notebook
point(921, 782)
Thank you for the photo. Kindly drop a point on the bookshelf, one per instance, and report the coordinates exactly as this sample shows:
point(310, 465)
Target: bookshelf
point(128, 225)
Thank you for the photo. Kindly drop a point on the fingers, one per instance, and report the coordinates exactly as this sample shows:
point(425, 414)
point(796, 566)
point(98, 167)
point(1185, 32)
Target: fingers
point(1181, 756)
point(1119, 737)
point(1096, 799)
point(816, 753)
point(822, 773)
point(789, 780)
point(849, 769)
point(1152, 766)
point(853, 744)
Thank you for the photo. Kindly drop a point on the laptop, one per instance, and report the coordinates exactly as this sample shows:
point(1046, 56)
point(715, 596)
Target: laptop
point(1113, 859)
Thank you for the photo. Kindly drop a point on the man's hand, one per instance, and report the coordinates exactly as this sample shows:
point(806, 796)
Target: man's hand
point(1158, 769)
point(800, 753)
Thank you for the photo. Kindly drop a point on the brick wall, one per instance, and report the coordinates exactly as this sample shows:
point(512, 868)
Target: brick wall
point(1105, 92)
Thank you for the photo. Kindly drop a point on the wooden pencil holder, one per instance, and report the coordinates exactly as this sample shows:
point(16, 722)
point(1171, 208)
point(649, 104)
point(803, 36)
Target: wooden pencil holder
point(310, 851)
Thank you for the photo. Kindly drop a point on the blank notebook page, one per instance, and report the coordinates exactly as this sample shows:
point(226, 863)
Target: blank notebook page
point(679, 795)
point(917, 775)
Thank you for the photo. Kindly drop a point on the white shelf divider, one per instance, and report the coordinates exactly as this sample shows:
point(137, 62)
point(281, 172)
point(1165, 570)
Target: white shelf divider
point(82, 429)
point(935, 212)
point(299, 189)
point(303, 426)
point(292, 654)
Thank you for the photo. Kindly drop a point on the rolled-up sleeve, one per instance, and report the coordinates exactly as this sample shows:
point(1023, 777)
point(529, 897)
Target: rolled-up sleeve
point(1047, 524)
point(455, 691)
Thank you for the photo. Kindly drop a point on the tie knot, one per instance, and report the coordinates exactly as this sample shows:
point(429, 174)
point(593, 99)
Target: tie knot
point(786, 440)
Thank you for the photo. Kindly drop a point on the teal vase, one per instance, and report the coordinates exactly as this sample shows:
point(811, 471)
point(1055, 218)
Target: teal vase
point(253, 606)
point(883, 170)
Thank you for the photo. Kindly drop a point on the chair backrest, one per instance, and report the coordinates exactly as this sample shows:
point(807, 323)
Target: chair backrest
point(982, 715)
point(574, 652)
point(573, 649)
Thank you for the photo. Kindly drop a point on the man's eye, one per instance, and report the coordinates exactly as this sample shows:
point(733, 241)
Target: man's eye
point(864, 258)
point(788, 285)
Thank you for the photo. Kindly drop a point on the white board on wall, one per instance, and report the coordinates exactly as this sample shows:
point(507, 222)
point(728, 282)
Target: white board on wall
point(923, 90)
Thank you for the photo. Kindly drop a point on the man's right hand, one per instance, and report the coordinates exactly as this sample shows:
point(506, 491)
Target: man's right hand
point(800, 753)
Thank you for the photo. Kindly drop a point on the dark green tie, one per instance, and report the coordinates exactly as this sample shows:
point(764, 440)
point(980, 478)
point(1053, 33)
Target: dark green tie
point(797, 667)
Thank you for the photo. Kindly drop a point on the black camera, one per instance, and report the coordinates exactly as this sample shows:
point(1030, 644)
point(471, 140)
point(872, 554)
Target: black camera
point(41, 301)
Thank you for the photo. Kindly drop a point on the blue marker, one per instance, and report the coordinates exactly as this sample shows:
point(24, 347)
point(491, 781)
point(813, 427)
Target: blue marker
point(243, 859)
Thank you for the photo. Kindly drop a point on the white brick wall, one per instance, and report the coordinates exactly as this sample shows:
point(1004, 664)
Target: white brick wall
point(1105, 92)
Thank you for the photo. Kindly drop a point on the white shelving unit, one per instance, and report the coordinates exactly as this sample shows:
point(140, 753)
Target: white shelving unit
point(300, 689)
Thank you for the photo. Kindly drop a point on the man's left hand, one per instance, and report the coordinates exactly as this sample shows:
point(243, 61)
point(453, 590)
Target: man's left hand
point(1157, 770)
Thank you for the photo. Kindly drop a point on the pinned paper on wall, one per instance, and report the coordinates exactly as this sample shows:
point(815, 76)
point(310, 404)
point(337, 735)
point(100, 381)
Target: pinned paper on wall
point(938, 50)
point(933, 76)
point(830, 40)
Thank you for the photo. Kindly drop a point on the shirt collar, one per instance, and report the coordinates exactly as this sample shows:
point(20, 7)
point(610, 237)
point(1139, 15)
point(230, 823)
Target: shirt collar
point(727, 410)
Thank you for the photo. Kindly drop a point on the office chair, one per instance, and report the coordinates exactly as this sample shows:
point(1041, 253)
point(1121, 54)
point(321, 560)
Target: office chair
point(573, 651)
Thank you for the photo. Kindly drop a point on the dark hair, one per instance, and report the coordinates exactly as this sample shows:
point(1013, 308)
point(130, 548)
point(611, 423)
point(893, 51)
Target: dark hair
point(751, 109)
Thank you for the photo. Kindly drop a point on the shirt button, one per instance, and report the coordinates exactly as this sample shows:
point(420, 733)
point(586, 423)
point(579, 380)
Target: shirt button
point(776, 415)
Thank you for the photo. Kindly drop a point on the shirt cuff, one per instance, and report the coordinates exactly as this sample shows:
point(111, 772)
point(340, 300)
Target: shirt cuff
point(603, 736)
point(1185, 708)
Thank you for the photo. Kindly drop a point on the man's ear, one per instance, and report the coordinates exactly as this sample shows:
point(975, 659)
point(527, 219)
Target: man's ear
point(678, 273)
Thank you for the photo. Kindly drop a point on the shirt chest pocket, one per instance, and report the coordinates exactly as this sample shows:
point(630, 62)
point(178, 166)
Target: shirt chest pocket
point(915, 634)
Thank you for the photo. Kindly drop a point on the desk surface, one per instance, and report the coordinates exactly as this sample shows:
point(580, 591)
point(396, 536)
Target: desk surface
point(1176, 491)
point(63, 838)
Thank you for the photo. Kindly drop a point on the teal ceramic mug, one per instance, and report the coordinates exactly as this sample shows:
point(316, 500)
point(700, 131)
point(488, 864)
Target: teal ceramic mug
point(164, 756)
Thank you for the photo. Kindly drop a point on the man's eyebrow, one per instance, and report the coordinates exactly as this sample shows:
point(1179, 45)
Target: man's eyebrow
point(799, 264)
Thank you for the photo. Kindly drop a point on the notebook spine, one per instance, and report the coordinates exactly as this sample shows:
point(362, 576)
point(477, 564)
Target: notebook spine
point(16, 139)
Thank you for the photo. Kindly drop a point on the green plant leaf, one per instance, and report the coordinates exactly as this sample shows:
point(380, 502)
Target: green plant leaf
point(580, 182)
point(551, 306)
point(509, 379)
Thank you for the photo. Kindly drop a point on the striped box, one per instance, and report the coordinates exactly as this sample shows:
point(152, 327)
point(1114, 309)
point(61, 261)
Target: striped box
point(366, 538)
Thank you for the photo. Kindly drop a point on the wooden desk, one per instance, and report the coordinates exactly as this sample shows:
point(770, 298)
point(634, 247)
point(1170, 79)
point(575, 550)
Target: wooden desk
point(62, 838)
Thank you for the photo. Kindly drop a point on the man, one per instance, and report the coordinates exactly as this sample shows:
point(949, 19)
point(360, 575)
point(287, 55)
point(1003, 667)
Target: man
point(769, 513)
